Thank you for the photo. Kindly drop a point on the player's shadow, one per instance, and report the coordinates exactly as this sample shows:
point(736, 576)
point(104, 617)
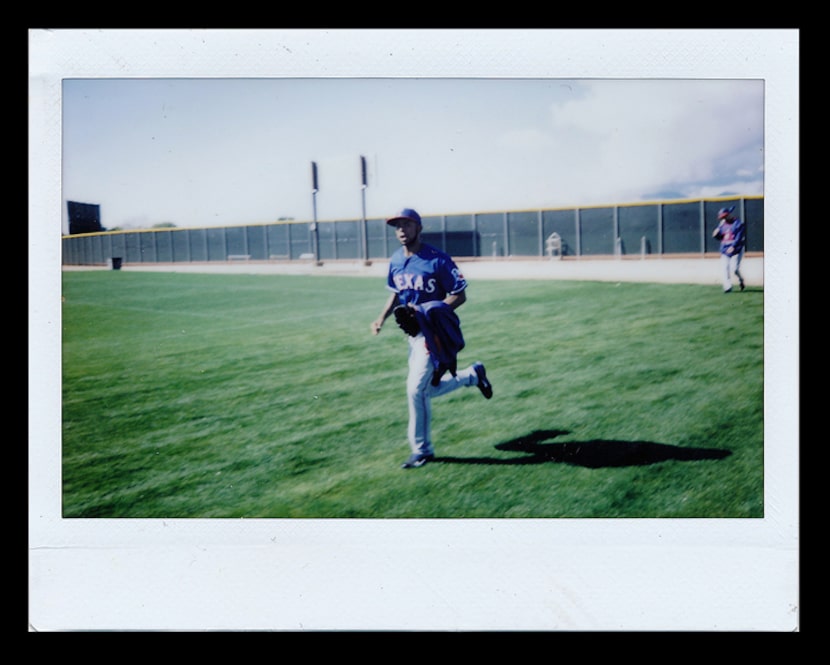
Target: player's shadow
point(593, 454)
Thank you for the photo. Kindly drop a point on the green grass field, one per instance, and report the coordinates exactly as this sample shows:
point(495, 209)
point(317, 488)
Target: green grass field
point(265, 396)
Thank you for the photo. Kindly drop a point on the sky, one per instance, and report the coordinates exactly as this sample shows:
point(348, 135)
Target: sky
point(227, 151)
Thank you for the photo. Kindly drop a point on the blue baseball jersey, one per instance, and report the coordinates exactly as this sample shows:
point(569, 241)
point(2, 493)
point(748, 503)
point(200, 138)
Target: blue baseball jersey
point(732, 235)
point(423, 277)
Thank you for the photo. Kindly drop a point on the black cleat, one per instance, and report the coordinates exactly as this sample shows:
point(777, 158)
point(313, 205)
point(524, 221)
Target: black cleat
point(416, 461)
point(484, 385)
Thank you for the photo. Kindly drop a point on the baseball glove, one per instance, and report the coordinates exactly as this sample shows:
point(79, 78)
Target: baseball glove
point(406, 320)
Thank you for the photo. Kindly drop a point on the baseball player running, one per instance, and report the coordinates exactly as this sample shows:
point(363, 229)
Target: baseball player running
point(731, 232)
point(420, 274)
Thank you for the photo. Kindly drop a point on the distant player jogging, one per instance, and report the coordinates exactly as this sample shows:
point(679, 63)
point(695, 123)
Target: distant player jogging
point(731, 232)
point(427, 287)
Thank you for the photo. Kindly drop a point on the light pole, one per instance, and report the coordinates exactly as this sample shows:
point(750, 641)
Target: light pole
point(363, 186)
point(315, 235)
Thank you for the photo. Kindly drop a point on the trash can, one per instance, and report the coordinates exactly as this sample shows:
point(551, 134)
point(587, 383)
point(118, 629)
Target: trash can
point(116, 262)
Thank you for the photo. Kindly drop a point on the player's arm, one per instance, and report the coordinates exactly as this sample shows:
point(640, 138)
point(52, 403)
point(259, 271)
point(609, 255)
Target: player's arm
point(455, 300)
point(455, 286)
point(740, 235)
point(377, 324)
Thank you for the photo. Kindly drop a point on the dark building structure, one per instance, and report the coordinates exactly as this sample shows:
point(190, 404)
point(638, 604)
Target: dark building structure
point(84, 217)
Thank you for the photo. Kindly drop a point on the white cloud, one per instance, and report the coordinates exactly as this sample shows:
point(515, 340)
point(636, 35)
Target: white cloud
point(527, 138)
point(642, 135)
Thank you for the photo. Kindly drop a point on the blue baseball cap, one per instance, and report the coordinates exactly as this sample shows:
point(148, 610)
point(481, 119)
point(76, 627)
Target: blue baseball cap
point(725, 212)
point(406, 213)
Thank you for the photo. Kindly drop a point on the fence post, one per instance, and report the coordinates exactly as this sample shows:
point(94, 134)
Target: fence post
point(660, 229)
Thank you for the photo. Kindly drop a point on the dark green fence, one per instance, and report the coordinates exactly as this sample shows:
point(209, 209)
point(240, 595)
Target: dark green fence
point(660, 229)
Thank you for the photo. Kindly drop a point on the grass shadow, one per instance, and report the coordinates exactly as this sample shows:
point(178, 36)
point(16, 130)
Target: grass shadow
point(593, 454)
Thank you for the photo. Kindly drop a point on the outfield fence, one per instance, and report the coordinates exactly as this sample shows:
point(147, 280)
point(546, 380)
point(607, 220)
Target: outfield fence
point(661, 229)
